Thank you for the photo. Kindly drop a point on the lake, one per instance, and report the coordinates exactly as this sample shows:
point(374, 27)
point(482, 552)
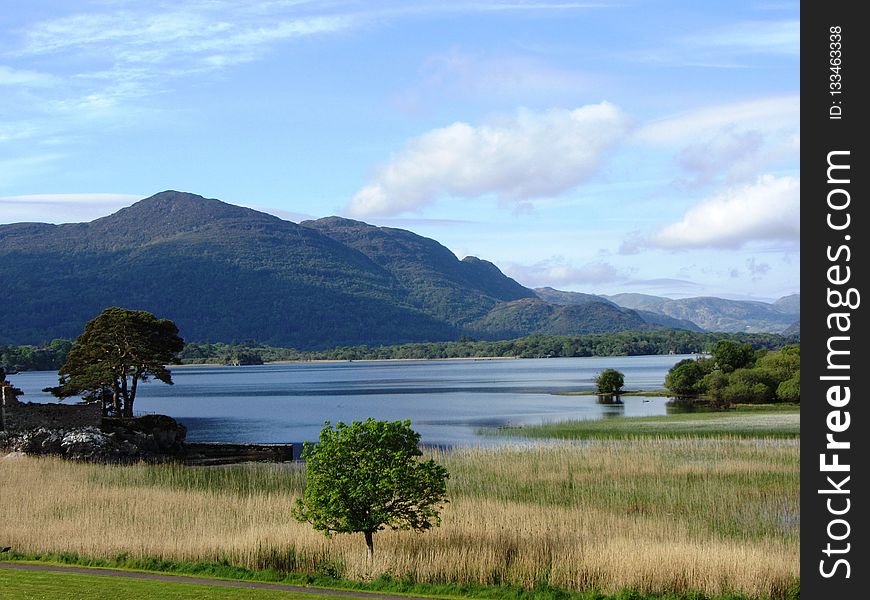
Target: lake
point(448, 401)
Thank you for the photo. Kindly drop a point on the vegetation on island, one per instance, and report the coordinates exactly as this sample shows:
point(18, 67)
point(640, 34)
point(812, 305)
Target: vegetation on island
point(738, 373)
point(609, 382)
point(117, 350)
point(366, 476)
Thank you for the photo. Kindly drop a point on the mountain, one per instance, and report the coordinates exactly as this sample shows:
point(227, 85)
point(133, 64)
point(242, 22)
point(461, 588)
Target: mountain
point(225, 273)
point(438, 284)
point(793, 329)
point(576, 298)
point(565, 298)
point(718, 314)
point(789, 304)
point(222, 272)
point(533, 315)
point(228, 273)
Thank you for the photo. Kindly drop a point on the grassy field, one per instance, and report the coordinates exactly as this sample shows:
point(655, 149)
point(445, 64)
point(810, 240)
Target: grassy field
point(656, 515)
point(26, 585)
point(745, 421)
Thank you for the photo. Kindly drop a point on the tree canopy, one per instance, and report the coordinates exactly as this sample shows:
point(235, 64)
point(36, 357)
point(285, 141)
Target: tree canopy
point(367, 476)
point(118, 349)
point(609, 381)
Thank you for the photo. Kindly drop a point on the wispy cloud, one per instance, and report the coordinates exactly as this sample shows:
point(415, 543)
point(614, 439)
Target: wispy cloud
point(508, 78)
point(557, 271)
point(73, 77)
point(732, 152)
point(24, 77)
point(133, 48)
point(730, 143)
point(61, 208)
point(530, 155)
point(770, 37)
point(733, 46)
point(779, 113)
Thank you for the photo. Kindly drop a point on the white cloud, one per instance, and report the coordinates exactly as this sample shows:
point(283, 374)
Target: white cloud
point(766, 210)
point(532, 155)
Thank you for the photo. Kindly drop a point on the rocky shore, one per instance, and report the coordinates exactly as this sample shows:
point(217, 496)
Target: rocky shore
point(151, 438)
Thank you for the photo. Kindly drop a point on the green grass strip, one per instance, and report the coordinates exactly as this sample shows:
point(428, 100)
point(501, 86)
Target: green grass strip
point(28, 584)
point(751, 422)
point(45, 585)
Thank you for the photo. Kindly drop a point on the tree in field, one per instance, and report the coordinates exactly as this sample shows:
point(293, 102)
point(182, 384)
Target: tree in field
point(364, 477)
point(117, 350)
point(609, 381)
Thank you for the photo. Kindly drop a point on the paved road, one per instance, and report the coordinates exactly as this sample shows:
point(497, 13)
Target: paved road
point(206, 581)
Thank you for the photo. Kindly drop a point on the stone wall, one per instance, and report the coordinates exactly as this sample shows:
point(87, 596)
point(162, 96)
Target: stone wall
point(21, 416)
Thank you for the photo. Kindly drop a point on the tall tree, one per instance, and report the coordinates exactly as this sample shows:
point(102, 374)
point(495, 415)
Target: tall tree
point(117, 350)
point(366, 476)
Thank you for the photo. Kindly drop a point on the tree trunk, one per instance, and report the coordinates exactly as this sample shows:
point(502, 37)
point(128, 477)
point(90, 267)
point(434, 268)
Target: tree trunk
point(116, 398)
point(370, 546)
point(128, 406)
point(128, 410)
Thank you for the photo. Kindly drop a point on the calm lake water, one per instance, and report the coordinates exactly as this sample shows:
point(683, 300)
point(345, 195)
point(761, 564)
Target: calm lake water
point(448, 401)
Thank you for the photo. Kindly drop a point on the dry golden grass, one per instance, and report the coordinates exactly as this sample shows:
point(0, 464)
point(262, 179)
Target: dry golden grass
point(656, 515)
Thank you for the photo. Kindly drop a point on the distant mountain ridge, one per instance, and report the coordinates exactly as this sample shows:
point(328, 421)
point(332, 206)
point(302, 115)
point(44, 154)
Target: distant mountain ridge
point(228, 273)
point(719, 314)
point(650, 317)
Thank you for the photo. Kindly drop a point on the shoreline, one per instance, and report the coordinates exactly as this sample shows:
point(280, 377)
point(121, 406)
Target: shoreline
point(344, 360)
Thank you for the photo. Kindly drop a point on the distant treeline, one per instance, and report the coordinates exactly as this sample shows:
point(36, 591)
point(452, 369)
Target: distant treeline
point(51, 356)
point(48, 357)
point(535, 346)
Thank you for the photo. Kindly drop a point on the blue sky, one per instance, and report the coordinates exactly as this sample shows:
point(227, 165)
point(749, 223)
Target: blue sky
point(602, 147)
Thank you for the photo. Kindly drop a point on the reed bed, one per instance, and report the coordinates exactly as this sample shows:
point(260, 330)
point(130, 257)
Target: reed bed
point(656, 515)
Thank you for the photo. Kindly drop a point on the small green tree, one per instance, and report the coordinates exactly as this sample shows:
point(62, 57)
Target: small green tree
point(610, 381)
point(118, 349)
point(364, 477)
